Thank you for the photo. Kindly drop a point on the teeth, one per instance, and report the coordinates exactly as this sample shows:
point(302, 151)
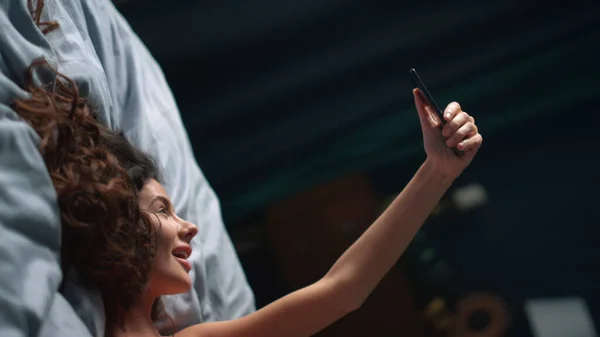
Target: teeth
point(180, 254)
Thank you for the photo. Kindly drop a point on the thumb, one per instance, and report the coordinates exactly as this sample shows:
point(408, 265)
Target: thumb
point(426, 113)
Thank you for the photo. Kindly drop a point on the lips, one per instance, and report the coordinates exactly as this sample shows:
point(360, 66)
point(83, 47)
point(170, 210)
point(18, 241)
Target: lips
point(181, 254)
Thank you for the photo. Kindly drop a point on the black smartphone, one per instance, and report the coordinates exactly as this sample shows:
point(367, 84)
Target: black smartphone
point(418, 83)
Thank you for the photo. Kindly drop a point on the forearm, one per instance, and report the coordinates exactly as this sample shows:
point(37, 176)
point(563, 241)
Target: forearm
point(358, 271)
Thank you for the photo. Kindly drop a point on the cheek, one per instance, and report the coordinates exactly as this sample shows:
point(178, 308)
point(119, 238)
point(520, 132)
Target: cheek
point(166, 234)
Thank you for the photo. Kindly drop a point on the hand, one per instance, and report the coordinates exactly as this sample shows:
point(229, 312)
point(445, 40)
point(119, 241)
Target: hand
point(460, 131)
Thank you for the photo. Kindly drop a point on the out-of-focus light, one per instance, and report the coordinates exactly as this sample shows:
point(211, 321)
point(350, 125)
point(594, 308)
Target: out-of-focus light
point(469, 197)
point(559, 317)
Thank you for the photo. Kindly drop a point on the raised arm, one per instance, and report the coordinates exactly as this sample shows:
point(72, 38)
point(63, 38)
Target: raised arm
point(358, 271)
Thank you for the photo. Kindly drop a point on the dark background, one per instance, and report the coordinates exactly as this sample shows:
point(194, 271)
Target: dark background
point(281, 96)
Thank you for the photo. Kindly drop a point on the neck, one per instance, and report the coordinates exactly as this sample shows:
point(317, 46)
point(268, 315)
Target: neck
point(137, 321)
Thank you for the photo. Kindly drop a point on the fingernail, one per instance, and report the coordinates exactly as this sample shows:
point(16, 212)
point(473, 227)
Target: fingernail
point(448, 115)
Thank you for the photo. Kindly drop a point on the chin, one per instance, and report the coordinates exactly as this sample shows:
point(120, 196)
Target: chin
point(186, 284)
point(170, 281)
point(180, 285)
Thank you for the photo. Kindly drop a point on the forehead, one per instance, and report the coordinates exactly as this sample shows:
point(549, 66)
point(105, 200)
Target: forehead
point(152, 189)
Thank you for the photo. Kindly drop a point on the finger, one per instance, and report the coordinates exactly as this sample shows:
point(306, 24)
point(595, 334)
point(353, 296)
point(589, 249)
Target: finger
point(425, 111)
point(466, 130)
point(455, 123)
point(471, 143)
point(451, 110)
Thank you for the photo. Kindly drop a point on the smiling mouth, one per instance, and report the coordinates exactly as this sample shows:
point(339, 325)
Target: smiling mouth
point(181, 255)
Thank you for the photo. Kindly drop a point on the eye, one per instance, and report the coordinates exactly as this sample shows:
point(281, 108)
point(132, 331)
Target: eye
point(163, 210)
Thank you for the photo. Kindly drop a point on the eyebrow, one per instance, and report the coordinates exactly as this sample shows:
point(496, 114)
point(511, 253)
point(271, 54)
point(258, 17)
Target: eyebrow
point(161, 198)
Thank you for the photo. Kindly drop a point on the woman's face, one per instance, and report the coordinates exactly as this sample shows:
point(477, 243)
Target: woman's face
point(170, 267)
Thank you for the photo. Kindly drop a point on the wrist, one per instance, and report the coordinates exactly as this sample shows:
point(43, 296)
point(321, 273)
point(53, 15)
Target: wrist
point(436, 174)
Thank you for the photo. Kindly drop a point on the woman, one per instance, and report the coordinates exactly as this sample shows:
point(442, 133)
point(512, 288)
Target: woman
point(121, 235)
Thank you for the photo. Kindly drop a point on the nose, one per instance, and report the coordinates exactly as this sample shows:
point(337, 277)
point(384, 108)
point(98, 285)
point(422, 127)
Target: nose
point(187, 231)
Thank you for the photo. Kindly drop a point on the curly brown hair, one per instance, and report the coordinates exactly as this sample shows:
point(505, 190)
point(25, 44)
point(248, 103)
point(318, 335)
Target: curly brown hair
point(97, 175)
